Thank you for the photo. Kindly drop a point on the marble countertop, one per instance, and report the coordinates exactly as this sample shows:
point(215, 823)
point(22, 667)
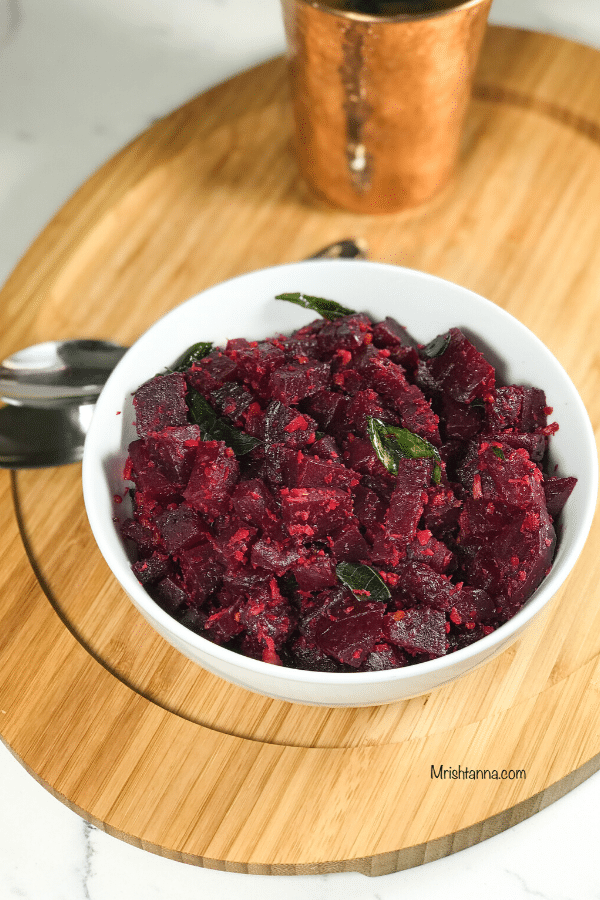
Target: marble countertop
point(78, 79)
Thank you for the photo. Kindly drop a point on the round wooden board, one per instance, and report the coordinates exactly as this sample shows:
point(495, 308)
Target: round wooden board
point(118, 724)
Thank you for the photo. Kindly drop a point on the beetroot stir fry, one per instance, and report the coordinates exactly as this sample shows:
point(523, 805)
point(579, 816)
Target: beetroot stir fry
point(341, 499)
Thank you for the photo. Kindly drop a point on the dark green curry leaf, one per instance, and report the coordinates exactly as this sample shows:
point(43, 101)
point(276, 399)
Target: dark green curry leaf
point(329, 309)
point(392, 444)
point(213, 428)
point(192, 355)
point(437, 346)
point(363, 581)
point(499, 452)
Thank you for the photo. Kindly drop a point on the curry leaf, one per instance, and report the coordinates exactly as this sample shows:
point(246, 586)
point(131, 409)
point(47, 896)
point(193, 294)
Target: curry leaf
point(363, 581)
point(392, 444)
point(437, 346)
point(329, 309)
point(213, 428)
point(192, 355)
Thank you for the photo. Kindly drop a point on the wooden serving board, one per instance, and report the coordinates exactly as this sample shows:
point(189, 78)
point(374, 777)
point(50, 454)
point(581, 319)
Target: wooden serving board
point(119, 725)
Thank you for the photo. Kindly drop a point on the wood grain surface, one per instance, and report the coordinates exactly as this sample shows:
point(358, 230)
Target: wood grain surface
point(118, 724)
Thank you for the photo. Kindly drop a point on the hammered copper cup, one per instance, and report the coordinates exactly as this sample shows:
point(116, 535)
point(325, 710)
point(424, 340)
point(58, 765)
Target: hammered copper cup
point(379, 101)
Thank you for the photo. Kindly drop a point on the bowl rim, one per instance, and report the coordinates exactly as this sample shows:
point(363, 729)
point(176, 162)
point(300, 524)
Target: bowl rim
point(92, 465)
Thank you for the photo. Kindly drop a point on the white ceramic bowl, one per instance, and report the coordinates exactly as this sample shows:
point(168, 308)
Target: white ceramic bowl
point(245, 306)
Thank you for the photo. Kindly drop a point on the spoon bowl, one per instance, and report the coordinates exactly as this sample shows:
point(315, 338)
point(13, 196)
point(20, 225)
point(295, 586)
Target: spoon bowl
point(58, 373)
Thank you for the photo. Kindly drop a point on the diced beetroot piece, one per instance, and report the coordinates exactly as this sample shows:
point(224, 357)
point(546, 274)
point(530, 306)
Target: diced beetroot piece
point(386, 551)
point(407, 357)
point(295, 381)
point(534, 443)
point(418, 631)
point(169, 595)
point(173, 450)
point(202, 573)
point(349, 381)
point(312, 513)
point(143, 536)
point(384, 376)
point(302, 654)
point(390, 333)
point(268, 620)
point(518, 407)
point(409, 498)
point(181, 528)
point(557, 491)
point(300, 345)
point(347, 544)
point(365, 405)
point(512, 565)
point(326, 448)
point(505, 409)
point(427, 549)
point(308, 331)
point(383, 657)
point(346, 333)
point(231, 400)
point(244, 579)
point(147, 476)
point(441, 511)
point(288, 461)
point(389, 380)
point(255, 361)
point(274, 555)
point(425, 586)
point(368, 506)
point(328, 409)
point(160, 403)
point(360, 456)
point(464, 635)
point(152, 569)
point(289, 426)
point(318, 473)
point(224, 624)
point(417, 416)
point(469, 463)
point(534, 412)
point(253, 419)
point(508, 476)
point(193, 618)
point(350, 629)
point(314, 606)
point(461, 420)
point(460, 371)
point(214, 475)
point(315, 572)
point(208, 374)
point(265, 651)
point(472, 605)
point(254, 503)
point(233, 545)
point(482, 522)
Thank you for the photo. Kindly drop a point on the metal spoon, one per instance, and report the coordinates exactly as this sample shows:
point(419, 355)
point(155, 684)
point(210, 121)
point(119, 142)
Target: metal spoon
point(52, 388)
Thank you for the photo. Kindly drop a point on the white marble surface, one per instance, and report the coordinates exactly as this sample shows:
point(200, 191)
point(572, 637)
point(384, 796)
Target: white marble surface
point(79, 78)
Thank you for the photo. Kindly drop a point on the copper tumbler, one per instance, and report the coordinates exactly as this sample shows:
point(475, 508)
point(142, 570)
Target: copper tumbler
point(379, 101)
